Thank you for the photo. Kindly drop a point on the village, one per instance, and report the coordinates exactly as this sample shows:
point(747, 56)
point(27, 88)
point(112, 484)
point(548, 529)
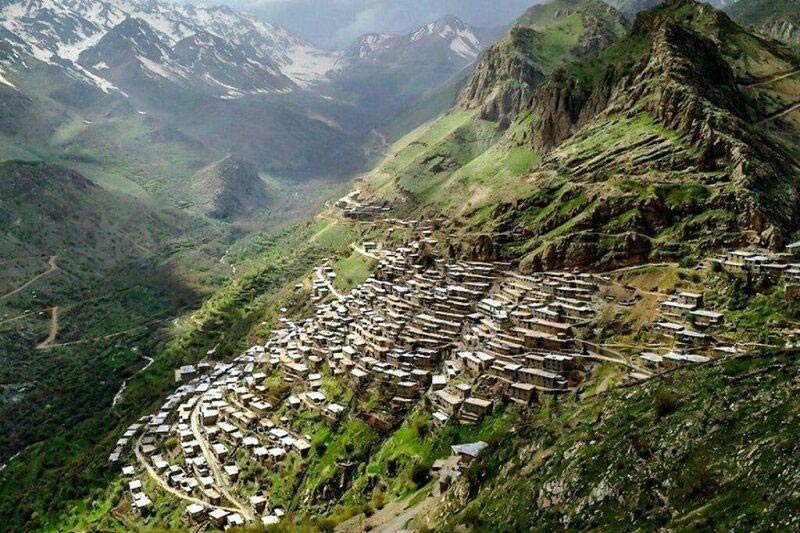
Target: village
point(461, 336)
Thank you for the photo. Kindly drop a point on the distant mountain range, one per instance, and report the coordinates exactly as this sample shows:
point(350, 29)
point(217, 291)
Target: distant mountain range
point(215, 50)
point(214, 82)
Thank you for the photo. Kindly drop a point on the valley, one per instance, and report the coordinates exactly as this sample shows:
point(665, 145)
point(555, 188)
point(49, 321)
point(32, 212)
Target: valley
point(453, 278)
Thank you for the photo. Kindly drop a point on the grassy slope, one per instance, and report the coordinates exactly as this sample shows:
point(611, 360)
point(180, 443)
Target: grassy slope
point(54, 485)
point(708, 447)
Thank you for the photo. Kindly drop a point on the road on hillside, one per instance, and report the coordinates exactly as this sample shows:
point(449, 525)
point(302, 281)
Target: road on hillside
point(321, 276)
point(363, 252)
point(771, 79)
point(163, 484)
point(104, 337)
point(53, 268)
point(785, 111)
point(213, 464)
point(51, 337)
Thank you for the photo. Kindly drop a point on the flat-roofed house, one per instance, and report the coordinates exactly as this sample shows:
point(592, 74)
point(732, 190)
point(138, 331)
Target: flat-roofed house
point(522, 393)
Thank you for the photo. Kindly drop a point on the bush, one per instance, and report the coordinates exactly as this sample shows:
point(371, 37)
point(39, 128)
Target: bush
point(421, 427)
point(326, 524)
point(665, 403)
point(320, 446)
point(420, 474)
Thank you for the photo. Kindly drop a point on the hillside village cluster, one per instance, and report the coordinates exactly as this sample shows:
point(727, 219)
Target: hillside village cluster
point(461, 336)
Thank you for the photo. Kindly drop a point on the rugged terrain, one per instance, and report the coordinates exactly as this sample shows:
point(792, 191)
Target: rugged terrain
point(582, 140)
point(544, 38)
point(680, 135)
point(776, 19)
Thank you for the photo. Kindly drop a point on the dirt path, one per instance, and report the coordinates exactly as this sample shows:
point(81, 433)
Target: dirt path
point(392, 518)
point(121, 391)
point(637, 267)
point(102, 338)
point(329, 285)
point(794, 107)
point(771, 79)
point(15, 318)
point(53, 268)
point(213, 464)
point(163, 484)
point(51, 337)
point(363, 252)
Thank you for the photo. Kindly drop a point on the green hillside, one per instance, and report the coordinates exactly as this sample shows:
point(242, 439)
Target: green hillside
point(776, 19)
point(697, 449)
point(581, 142)
point(627, 144)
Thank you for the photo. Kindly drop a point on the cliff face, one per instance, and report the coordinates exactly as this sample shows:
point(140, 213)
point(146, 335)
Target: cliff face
point(774, 19)
point(506, 75)
point(502, 83)
point(687, 84)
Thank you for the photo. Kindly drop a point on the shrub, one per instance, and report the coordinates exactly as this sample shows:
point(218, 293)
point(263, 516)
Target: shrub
point(664, 402)
point(320, 446)
point(420, 474)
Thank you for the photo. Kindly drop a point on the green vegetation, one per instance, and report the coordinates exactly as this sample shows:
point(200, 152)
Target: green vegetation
point(646, 458)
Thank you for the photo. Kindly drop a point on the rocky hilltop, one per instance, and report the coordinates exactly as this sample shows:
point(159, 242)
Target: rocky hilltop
point(681, 134)
point(546, 36)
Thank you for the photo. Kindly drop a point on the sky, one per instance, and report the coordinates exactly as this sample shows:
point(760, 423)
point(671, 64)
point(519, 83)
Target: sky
point(337, 23)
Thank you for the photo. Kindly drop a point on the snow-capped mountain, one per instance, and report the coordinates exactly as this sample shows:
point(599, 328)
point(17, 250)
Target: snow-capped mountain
point(223, 51)
point(461, 38)
point(385, 74)
point(450, 37)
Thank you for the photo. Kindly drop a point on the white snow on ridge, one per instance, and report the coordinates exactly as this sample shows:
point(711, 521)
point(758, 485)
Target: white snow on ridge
point(64, 29)
point(308, 65)
point(5, 81)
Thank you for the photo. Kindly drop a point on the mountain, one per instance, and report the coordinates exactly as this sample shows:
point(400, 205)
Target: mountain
point(637, 154)
point(543, 38)
point(683, 134)
point(776, 19)
point(225, 189)
point(631, 7)
point(47, 209)
point(60, 32)
point(386, 74)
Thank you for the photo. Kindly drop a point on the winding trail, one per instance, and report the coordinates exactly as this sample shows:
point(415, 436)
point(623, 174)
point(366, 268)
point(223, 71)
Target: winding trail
point(213, 464)
point(785, 111)
point(637, 267)
point(51, 337)
point(104, 337)
point(771, 79)
point(329, 285)
point(15, 318)
point(53, 268)
point(363, 252)
point(118, 395)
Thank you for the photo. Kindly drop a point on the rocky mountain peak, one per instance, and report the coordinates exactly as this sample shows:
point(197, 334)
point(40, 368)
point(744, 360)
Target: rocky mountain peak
point(505, 77)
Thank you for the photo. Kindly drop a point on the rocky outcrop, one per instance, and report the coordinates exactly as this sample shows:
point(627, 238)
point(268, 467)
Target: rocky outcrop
point(508, 73)
point(686, 84)
point(502, 82)
point(781, 30)
point(774, 19)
